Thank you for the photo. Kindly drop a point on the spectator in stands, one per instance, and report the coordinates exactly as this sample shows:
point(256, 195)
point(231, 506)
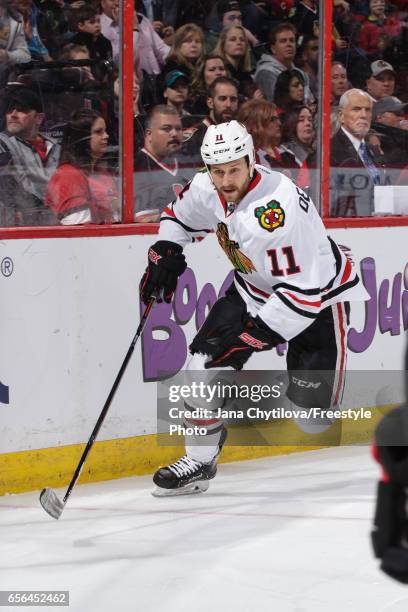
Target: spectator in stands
point(378, 32)
point(86, 22)
point(304, 16)
point(222, 100)
point(234, 48)
point(262, 120)
point(164, 13)
point(222, 104)
point(309, 61)
point(299, 134)
point(82, 89)
point(151, 50)
point(29, 13)
point(110, 25)
point(76, 52)
point(357, 172)
point(282, 47)
point(388, 116)
point(289, 90)
point(339, 82)
point(159, 177)
point(339, 85)
point(165, 32)
point(13, 46)
point(229, 14)
point(82, 191)
point(255, 19)
point(176, 91)
point(53, 25)
point(139, 114)
point(27, 161)
point(192, 12)
point(212, 67)
point(381, 81)
point(187, 50)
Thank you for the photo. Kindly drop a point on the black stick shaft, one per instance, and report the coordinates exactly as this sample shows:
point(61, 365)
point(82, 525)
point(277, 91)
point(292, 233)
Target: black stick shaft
point(109, 399)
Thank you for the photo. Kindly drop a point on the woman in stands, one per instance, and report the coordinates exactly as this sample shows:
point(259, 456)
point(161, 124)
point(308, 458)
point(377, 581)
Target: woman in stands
point(289, 90)
point(234, 48)
point(212, 67)
point(187, 50)
point(299, 133)
point(262, 120)
point(82, 190)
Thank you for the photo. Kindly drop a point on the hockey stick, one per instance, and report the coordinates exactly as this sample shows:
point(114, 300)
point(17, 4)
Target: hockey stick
point(48, 498)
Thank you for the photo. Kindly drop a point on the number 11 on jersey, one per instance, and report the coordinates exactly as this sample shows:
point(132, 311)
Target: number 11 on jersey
point(288, 258)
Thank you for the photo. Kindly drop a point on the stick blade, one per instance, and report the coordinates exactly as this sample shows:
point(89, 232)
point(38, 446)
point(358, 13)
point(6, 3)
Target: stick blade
point(51, 504)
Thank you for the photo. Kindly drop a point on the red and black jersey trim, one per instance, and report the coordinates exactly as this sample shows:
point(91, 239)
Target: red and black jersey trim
point(314, 291)
point(184, 226)
point(338, 290)
point(338, 261)
point(243, 284)
point(287, 302)
point(303, 313)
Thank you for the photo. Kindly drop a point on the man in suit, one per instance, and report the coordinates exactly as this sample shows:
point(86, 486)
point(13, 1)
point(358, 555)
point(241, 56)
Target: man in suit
point(355, 170)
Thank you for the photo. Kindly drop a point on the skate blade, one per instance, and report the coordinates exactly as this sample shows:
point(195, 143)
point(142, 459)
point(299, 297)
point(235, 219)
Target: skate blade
point(190, 489)
point(51, 504)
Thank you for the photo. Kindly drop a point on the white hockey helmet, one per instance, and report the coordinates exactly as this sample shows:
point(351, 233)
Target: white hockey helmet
point(227, 142)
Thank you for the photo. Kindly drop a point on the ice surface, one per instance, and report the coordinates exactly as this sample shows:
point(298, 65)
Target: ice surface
point(289, 533)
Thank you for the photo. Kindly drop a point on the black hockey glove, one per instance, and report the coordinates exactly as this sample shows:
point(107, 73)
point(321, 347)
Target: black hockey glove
point(390, 534)
point(166, 263)
point(235, 346)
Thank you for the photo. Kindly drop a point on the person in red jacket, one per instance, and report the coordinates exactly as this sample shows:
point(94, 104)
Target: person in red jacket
point(378, 32)
point(82, 190)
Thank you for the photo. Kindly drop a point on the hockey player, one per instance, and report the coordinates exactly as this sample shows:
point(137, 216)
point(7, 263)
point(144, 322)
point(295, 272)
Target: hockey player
point(292, 284)
point(390, 449)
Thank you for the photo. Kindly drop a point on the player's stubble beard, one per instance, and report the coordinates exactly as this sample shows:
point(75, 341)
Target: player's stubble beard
point(233, 198)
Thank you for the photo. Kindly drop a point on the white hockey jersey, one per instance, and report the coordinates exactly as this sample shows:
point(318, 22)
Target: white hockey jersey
point(287, 269)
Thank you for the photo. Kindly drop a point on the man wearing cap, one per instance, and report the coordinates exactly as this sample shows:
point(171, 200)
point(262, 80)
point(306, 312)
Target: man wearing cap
point(27, 161)
point(160, 170)
point(176, 90)
point(381, 81)
point(388, 116)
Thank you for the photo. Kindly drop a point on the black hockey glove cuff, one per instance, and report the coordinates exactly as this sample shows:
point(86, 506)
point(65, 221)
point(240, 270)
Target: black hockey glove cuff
point(166, 263)
point(390, 532)
point(236, 346)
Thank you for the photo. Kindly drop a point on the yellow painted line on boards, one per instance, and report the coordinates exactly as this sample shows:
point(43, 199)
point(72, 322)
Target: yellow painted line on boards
point(53, 467)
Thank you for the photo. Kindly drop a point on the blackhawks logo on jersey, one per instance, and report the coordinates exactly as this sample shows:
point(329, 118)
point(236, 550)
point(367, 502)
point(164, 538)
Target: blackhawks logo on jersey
point(270, 216)
point(240, 261)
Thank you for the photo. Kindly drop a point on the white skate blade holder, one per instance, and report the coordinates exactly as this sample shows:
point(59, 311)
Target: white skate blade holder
point(190, 489)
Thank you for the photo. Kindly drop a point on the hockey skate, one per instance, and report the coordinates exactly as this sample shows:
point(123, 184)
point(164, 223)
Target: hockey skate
point(186, 476)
